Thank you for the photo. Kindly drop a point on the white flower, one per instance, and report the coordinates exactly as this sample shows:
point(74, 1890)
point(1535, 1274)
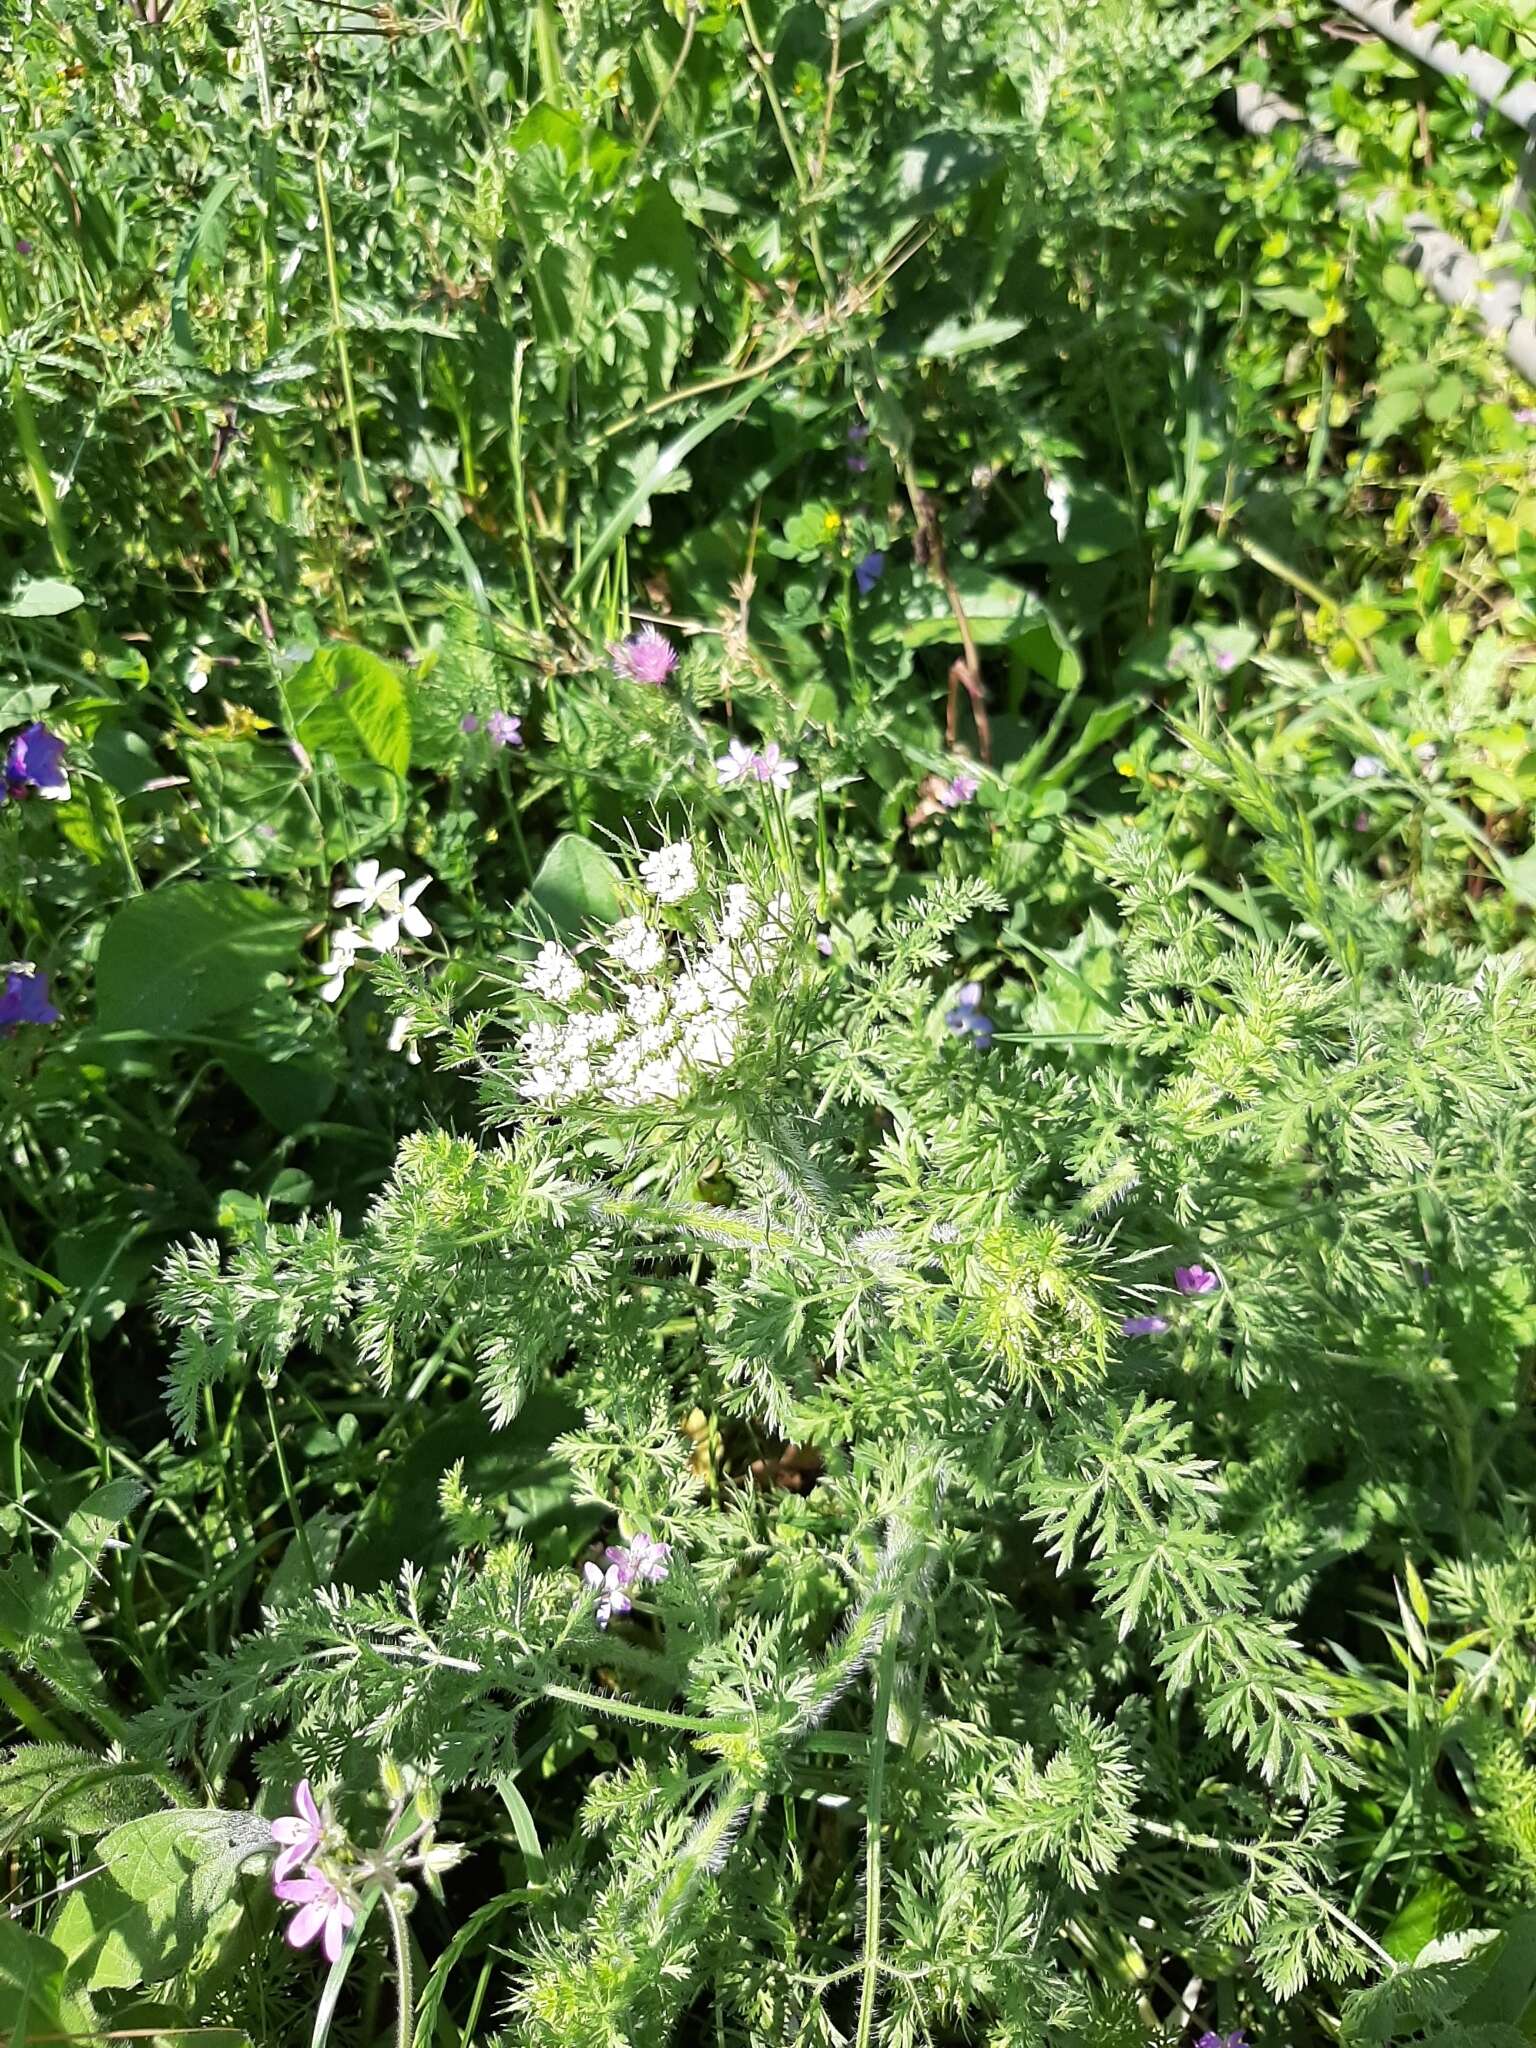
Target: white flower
point(554, 975)
point(710, 1040)
point(1367, 767)
point(634, 946)
point(345, 942)
point(646, 1003)
point(737, 764)
point(400, 912)
point(589, 1031)
point(375, 888)
point(739, 911)
point(198, 669)
point(1059, 498)
point(399, 1040)
point(669, 872)
point(370, 885)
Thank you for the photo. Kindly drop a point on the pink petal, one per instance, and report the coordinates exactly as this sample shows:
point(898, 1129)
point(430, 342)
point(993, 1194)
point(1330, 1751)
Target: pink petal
point(290, 1829)
point(289, 1859)
point(304, 1804)
point(294, 1891)
point(309, 1921)
point(337, 1921)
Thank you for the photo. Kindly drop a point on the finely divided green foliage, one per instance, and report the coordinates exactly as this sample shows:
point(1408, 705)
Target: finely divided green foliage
point(1015, 1678)
point(908, 1260)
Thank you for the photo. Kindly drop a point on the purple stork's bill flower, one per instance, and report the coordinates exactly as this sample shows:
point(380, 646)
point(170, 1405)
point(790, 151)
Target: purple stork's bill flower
point(959, 791)
point(859, 431)
point(645, 657)
point(1144, 1326)
point(857, 464)
point(774, 765)
point(737, 764)
point(1196, 1280)
point(1226, 660)
point(1236, 2039)
point(1526, 415)
point(469, 723)
point(868, 572)
point(25, 998)
point(968, 1019)
point(503, 730)
point(299, 1833)
point(323, 1912)
point(34, 766)
point(641, 1562)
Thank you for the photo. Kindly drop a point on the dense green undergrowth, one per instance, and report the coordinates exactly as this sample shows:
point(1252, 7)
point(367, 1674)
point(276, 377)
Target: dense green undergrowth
point(770, 1078)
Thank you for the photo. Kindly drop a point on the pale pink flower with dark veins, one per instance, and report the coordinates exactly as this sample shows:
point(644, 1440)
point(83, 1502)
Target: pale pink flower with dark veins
point(299, 1832)
point(645, 657)
point(736, 764)
point(322, 1911)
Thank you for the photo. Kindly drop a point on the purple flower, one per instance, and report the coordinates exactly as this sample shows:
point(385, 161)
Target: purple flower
point(322, 1911)
point(1526, 415)
point(300, 1832)
point(641, 1562)
point(34, 766)
point(868, 572)
point(25, 998)
point(959, 791)
point(857, 464)
point(1226, 660)
point(968, 1019)
point(503, 730)
point(739, 764)
point(1237, 2039)
point(775, 766)
point(1144, 1326)
point(858, 431)
point(1196, 1280)
point(23, 246)
point(469, 722)
point(646, 657)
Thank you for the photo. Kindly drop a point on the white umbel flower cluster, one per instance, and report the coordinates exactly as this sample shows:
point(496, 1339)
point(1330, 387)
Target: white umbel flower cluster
point(664, 1022)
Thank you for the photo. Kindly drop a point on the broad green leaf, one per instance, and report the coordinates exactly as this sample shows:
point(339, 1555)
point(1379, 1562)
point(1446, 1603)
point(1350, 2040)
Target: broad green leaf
point(31, 1980)
point(937, 168)
point(79, 1548)
point(653, 477)
point(51, 1789)
point(21, 702)
point(176, 959)
point(576, 887)
point(204, 246)
point(46, 598)
point(955, 338)
point(349, 704)
point(166, 1878)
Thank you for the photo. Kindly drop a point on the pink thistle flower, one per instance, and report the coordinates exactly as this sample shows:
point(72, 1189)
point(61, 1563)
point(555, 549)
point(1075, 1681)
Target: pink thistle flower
point(646, 657)
point(1196, 1280)
point(323, 1912)
point(300, 1832)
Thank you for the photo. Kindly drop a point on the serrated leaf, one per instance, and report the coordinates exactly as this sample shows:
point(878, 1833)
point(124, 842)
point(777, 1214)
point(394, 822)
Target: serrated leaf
point(79, 1548)
point(954, 338)
point(347, 703)
point(142, 1918)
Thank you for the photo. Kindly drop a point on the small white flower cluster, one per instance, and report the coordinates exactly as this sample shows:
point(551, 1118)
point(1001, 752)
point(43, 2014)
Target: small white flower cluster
point(376, 893)
point(658, 1021)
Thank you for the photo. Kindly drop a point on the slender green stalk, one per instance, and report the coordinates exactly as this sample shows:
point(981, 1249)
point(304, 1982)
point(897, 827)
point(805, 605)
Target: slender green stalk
point(885, 1682)
point(299, 1529)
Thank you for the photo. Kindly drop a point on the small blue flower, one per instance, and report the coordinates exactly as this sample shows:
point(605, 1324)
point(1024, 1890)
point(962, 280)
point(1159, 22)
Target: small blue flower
point(1146, 1326)
point(34, 766)
point(25, 998)
point(968, 1019)
point(868, 572)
